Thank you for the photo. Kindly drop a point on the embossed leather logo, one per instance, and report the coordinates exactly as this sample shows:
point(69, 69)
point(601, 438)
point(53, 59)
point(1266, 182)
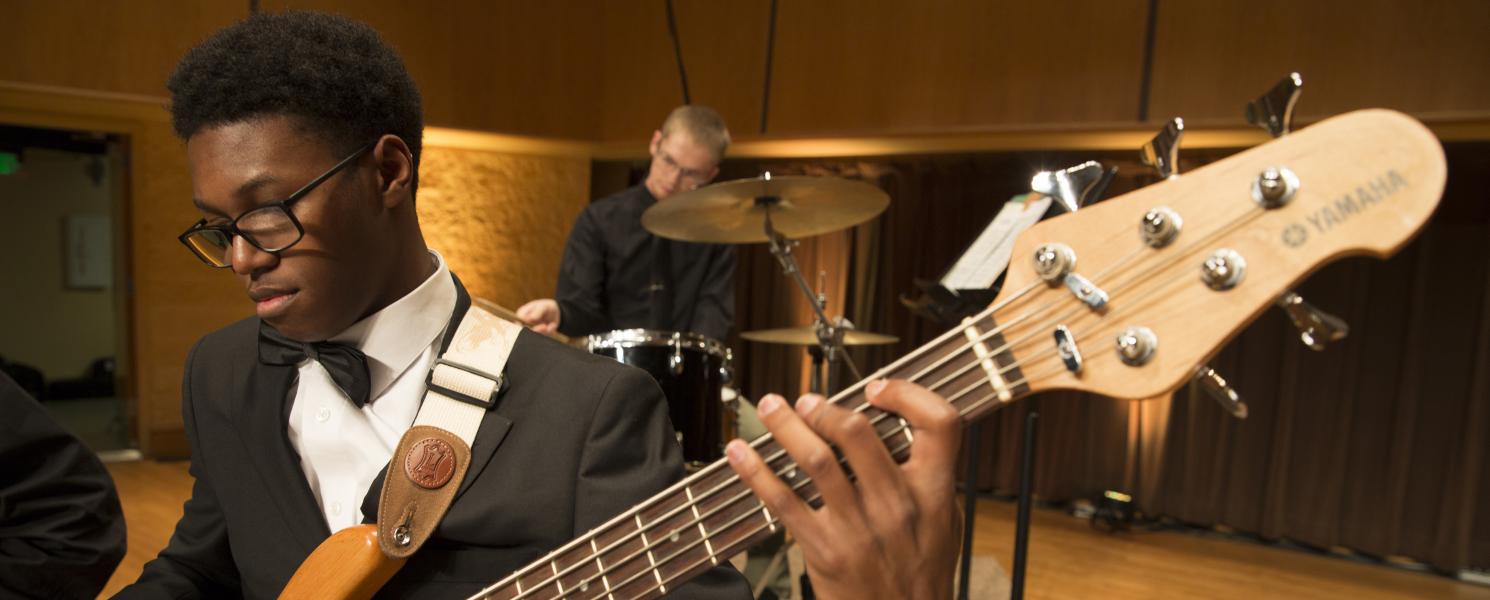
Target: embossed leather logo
point(430, 463)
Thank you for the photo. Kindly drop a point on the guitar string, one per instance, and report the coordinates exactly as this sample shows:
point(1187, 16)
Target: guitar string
point(1246, 217)
point(727, 483)
point(1119, 308)
point(789, 466)
point(758, 442)
point(755, 511)
point(1241, 220)
point(1015, 364)
point(1079, 311)
point(771, 521)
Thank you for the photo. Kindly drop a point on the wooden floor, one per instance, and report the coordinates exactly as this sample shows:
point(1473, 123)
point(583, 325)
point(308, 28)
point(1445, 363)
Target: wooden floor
point(1067, 558)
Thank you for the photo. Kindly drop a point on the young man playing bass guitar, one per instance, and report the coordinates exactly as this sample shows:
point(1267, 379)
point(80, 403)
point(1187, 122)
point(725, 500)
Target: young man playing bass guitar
point(303, 135)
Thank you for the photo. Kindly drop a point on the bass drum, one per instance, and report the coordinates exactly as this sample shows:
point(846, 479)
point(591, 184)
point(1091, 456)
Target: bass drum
point(692, 370)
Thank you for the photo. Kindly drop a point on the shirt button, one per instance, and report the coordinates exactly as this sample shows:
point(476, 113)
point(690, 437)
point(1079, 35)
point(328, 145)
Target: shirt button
point(323, 415)
point(336, 508)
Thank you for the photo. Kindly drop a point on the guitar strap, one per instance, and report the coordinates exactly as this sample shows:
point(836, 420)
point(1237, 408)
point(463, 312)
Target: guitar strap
point(434, 454)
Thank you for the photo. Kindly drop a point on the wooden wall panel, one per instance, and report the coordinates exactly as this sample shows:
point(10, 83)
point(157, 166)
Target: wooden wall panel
point(501, 219)
point(515, 67)
point(105, 45)
point(1426, 58)
point(889, 66)
point(724, 51)
point(638, 74)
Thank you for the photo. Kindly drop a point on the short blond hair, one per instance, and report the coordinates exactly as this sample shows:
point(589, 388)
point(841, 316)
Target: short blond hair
point(702, 124)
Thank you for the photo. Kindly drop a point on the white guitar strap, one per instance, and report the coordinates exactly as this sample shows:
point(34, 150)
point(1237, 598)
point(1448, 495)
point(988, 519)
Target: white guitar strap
point(435, 453)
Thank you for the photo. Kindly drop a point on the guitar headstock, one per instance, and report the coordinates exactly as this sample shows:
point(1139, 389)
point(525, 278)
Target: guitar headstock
point(1249, 227)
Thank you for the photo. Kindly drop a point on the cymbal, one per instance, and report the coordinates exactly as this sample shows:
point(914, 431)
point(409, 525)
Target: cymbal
point(734, 212)
point(807, 336)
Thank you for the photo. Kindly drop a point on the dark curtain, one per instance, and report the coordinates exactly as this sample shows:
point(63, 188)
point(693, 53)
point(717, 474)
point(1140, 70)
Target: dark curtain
point(1377, 444)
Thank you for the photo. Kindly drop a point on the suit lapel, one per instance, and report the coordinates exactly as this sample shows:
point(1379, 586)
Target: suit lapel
point(264, 411)
point(489, 436)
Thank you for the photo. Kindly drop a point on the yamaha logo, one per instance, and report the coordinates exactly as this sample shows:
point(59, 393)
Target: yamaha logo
point(1295, 235)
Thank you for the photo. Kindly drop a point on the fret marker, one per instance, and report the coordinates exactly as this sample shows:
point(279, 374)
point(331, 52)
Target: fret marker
point(674, 537)
point(985, 359)
point(640, 529)
point(770, 522)
point(703, 533)
point(594, 548)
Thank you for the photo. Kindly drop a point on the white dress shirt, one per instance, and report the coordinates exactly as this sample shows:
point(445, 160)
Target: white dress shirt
point(342, 448)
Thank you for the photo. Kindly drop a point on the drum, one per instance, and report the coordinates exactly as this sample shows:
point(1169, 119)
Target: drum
point(691, 369)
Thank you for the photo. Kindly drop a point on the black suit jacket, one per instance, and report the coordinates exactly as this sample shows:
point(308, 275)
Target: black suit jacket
point(61, 529)
point(575, 440)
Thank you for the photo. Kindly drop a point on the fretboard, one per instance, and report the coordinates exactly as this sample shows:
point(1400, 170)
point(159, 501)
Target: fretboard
point(712, 515)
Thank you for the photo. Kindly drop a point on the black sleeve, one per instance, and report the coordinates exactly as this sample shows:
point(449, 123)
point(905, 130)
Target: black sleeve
point(61, 528)
point(581, 289)
point(197, 563)
point(715, 316)
point(631, 453)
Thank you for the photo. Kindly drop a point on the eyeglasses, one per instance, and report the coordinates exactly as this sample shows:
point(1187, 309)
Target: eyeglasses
point(271, 227)
point(693, 176)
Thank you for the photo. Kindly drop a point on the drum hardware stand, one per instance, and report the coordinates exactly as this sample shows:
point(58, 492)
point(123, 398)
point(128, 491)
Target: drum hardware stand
point(830, 332)
point(1022, 513)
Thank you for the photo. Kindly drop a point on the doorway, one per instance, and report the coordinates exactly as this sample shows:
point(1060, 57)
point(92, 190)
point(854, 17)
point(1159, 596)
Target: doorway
point(63, 314)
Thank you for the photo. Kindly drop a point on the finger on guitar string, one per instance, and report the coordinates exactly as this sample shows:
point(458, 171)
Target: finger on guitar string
point(883, 494)
point(935, 422)
point(779, 499)
point(813, 456)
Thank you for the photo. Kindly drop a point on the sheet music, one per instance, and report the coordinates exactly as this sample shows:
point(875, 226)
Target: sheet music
point(987, 258)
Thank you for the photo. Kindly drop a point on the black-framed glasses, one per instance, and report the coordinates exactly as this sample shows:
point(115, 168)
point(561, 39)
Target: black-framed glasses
point(271, 227)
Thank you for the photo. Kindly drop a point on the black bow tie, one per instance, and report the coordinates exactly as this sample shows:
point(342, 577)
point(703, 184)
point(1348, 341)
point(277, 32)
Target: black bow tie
point(347, 365)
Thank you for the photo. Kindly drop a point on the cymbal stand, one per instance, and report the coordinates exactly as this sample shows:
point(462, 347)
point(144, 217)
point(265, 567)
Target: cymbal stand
point(829, 331)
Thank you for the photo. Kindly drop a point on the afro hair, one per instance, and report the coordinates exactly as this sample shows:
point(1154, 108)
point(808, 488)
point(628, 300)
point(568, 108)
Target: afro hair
point(335, 75)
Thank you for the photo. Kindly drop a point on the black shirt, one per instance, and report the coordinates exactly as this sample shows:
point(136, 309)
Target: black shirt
point(616, 275)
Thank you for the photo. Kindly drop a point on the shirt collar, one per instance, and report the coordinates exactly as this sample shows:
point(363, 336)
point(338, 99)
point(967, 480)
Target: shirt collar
point(396, 335)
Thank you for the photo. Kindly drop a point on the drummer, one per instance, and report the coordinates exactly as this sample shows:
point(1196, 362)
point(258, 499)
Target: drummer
point(616, 275)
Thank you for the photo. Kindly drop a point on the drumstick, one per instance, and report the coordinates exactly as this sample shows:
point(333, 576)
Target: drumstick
point(505, 314)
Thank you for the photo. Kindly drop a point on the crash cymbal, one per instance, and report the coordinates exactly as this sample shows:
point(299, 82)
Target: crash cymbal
point(807, 336)
point(734, 212)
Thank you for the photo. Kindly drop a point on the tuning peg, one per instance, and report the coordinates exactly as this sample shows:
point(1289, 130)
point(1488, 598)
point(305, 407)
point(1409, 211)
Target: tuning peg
point(1074, 187)
point(1163, 152)
point(1316, 327)
point(1215, 386)
point(1273, 111)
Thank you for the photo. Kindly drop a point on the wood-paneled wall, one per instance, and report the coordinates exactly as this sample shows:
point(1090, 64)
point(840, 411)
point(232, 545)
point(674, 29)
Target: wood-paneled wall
point(606, 71)
point(1425, 58)
point(116, 46)
point(854, 66)
point(514, 67)
point(875, 67)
